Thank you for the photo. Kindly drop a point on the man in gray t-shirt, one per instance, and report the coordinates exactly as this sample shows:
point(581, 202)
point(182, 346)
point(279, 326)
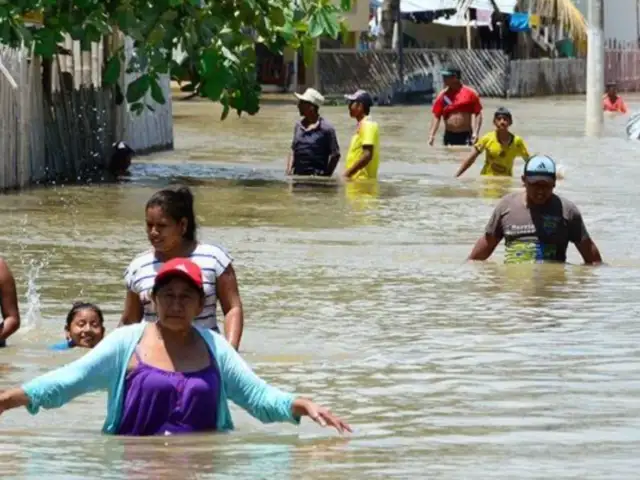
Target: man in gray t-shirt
point(537, 225)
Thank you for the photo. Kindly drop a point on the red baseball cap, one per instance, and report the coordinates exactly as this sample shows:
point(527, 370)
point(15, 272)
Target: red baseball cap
point(180, 267)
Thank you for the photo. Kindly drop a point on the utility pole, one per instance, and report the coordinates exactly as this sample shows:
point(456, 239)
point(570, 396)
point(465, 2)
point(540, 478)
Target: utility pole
point(595, 68)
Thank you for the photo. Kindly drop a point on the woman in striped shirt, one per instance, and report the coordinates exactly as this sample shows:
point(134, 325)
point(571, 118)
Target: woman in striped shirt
point(171, 229)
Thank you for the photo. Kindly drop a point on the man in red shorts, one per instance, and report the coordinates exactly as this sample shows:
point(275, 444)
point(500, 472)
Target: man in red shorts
point(460, 108)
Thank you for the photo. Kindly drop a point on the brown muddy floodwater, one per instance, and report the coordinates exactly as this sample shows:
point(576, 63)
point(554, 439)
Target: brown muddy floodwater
point(361, 299)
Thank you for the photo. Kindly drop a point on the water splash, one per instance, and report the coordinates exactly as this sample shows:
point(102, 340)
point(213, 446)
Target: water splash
point(32, 316)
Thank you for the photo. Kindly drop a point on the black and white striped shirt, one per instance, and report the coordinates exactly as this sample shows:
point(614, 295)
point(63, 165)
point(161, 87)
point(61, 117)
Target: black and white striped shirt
point(212, 260)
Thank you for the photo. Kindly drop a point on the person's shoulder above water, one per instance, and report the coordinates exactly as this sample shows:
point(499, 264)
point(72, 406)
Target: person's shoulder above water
point(212, 258)
point(569, 208)
point(210, 249)
point(64, 345)
point(142, 259)
point(369, 122)
point(511, 200)
point(485, 139)
point(470, 90)
point(326, 124)
point(140, 263)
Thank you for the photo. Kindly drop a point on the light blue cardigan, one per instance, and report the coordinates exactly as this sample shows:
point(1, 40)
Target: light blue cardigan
point(105, 368)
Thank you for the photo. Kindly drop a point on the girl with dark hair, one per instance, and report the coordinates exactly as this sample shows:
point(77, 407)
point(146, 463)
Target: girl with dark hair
point(169, 377)
point(171, 230)
point(84, 327)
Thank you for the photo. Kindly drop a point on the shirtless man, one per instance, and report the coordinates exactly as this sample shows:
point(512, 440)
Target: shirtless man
point(461, 109)
point(10, 320)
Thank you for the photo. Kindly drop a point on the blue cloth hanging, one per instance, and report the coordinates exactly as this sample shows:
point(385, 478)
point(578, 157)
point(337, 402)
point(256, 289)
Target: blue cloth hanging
point(519, 22)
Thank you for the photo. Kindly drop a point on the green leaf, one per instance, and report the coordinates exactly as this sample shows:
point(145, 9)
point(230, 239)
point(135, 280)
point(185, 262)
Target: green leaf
point(112, 71)
point(308, 51)
point(345, 5)
point(149, 107)
point(315, 25)
point(125, 18)
point(229, 55)
point(212, 89)
point(225, 111)
point(330, 23)
point(137, 108)
point(119, 97)
point(301, 27)
point(209, 62)
point(277, 17)
point(138, 88)
point(45, 43)
point(156, 92)
point(157, 35)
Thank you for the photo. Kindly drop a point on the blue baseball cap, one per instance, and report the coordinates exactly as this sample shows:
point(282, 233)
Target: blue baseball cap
point(361, 96)
point(540, 168)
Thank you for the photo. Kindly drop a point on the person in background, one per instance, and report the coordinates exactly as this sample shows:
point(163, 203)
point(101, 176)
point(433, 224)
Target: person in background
point(461, 109)
point(501, 148)
point(611, 101)
point(171, 230)
point(314, 148)
point(537, 225)
point(10, 322)
point(363, 158)
point(168, 377)
point(121, 159)
point(84, 327)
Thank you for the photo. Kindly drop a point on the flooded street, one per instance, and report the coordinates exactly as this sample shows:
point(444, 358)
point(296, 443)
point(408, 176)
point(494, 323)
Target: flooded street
point(360, 298)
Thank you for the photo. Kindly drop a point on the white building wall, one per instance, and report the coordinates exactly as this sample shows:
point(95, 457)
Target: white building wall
point(621, 18)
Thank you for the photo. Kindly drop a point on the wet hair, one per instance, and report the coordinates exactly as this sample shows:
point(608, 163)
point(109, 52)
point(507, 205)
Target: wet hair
point(503, 112)
point(177, 204)
point(78, 307)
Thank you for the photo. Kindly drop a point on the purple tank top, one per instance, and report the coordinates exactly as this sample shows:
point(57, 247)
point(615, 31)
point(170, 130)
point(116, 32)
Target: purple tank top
point(157, 402)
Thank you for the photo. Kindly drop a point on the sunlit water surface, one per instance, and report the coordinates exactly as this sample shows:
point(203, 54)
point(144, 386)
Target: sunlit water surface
point(360, 298)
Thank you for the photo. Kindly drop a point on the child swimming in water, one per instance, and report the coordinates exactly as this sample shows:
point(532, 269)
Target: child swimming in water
point(501, 148)
point(84, 327)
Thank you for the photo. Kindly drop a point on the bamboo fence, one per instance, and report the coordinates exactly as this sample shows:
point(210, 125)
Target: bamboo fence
point(68, 135)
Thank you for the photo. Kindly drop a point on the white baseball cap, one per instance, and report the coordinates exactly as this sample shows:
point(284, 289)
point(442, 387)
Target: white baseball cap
point(311, 96)
point(540, 168)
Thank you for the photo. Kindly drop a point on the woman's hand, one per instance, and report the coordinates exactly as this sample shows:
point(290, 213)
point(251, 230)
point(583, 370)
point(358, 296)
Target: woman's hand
point(321, 415)
point(13, 398)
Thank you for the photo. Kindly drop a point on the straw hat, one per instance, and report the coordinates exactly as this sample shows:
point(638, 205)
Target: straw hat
point(311, 96)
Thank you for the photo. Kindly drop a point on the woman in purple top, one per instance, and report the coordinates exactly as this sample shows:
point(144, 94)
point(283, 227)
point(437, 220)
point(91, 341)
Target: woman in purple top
point(168, 377)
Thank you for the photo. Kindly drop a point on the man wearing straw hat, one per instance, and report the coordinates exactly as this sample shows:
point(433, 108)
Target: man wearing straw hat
point(314, 148)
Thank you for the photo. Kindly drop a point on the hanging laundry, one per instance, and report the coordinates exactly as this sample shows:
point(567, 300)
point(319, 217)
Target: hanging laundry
point(519, 22)
point(483, 17)
point(534, 21)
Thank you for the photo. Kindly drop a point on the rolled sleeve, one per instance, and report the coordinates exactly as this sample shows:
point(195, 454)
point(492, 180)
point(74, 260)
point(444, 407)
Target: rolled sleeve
point(481, 144)
point(577, 228)
point(368, 132)
point(494, 225)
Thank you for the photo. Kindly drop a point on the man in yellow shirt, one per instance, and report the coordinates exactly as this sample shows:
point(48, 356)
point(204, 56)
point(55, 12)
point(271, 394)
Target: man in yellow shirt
point(501, 148)
point(363, 157)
